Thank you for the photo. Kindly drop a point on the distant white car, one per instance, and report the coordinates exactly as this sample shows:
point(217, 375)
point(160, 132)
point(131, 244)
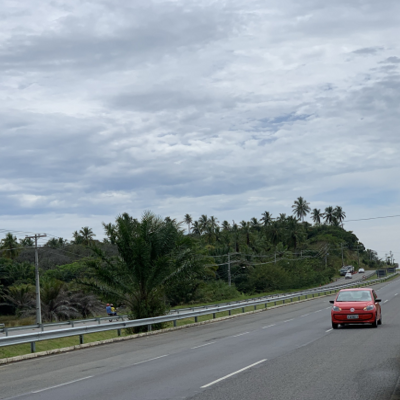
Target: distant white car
point(348, 276)
point(361, 270)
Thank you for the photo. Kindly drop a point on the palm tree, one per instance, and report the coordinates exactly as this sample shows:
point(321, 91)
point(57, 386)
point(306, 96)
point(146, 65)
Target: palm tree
point(282, 217)
point(197, 228)
point(213, 222)
point(87, 235)
point(329, 215)
point(301, 208)
point(266, 218)
point(188, 220)
point(26, 242)
point(78, 239)
point(316, 216)
point(339, 214)
point(226, 226)
point(203, 221)
point(153, 255)
point(10, 246)
point(255, 224)
point(21, 297)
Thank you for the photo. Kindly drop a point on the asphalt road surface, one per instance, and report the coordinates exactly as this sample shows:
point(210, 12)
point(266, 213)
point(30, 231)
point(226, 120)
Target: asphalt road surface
point(285, 353)
point(340, 281)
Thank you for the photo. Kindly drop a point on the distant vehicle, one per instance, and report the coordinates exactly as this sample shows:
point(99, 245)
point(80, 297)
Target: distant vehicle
point(361, 270)
point(356, 306)
point(346, 268)
point(348, 275)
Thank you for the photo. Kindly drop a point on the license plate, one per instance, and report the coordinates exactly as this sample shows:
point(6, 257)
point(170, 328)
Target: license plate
point(352, 317)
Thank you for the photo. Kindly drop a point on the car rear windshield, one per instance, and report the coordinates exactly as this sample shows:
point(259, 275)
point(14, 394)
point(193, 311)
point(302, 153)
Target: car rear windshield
point(356, 295)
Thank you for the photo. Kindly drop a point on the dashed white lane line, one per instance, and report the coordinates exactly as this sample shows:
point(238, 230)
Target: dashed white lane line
point(240, 334)
point(396, 294)
point(151, 359)
point(329, 330)
point(304, 315)
point(268, 326)
point(327, 308)
point(385, 301)
point(206, 344)
point(233, 373)
point(291, 319)
point(62, 384)
point(317, 311)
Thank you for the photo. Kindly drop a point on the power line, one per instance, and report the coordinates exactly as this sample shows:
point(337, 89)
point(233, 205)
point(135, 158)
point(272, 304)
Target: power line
point(367, 219)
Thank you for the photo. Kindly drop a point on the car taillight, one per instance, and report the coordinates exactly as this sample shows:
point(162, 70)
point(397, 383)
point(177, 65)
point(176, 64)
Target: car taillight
point(369, 308)
point(336, 308)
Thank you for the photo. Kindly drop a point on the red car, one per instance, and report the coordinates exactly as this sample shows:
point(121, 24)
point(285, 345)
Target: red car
point(356, 306)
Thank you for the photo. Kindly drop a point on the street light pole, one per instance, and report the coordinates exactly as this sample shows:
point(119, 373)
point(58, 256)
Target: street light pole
point(38, 304)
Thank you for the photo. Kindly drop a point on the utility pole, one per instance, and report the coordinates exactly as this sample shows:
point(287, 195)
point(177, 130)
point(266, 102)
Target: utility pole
point(358, 255)
point(229, 270)
point(341, 247)
point(38, 305)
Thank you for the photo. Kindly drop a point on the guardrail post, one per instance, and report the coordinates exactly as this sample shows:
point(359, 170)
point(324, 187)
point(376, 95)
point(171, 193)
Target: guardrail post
point(283, 301)
point(213, 315)
point(119, 332)
point(243, 309)
point(33, 347)
point(291, 299)
point(6, 331)
point(265, 305)
point(298, 298)
point(195, 319)
point(98, 320)
point(72, 323)
point(148, 328)
point(41, 327)
point(229, 312)
point(81, 341)
point(255, 308)
point(174, 322)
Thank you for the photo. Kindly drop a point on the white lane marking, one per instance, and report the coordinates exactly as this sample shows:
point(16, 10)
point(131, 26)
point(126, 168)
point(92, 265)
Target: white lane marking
point(288, 320)
point(62, 384)
point(386, 301)
point(240, 334)
point(305, 315)
point(317, 311)
point(327, 308)
point(151, 359)
point(396, 294)
point(233, 373)
point(329, 330)
point(268, 326)
point(202, 345)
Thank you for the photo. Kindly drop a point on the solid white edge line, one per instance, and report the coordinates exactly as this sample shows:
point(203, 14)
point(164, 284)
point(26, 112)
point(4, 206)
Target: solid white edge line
point(197, 347)
point(62, 384)
point(329, 330)
point(233, 373)
point(151, 359)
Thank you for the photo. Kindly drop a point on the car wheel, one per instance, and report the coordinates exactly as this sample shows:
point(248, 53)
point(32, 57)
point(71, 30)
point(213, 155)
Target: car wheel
point(380, 320)
point(334, 326)
point(375, 324)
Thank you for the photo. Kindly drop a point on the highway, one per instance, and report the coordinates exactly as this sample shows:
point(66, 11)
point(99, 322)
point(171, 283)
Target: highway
point(89, 322)
point(289, 352)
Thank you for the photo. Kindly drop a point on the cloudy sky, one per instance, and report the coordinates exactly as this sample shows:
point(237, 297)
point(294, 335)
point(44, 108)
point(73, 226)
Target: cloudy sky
point(225, 108)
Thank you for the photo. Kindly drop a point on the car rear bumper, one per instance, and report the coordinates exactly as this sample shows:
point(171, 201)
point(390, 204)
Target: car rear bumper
point(363, 318)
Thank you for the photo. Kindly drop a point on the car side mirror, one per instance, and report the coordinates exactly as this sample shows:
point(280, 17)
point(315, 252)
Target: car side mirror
point(332, 301)
point(378, 300)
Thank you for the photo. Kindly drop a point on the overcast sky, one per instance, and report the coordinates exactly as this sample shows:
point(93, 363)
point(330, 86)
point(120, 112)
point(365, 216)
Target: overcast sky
point(225, 108)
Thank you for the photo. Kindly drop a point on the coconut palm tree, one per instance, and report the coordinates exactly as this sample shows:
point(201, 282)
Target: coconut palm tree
point(10, 246)
point(339, 214)
point(197, 230)
point(188, 220)
point(266, 218)
point(301, 208)
point(26, 242)
point(226, 226)
point(203, 221)
point(329, 215)
point(87, 235)
point(255, 224)
point(316, 216)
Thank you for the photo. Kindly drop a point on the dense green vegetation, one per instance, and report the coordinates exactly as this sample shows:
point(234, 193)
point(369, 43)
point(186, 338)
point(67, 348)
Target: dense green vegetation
point(151, 264)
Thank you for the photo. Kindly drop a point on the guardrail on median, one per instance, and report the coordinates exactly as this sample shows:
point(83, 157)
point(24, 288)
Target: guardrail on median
point(32, 338)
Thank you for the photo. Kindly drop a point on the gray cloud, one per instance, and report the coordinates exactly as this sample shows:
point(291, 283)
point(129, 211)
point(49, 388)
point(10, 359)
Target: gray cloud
point(228, 108)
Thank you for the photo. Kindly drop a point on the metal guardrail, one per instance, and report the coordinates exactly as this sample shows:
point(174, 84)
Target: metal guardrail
point(80, 331)
point(72, 323)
